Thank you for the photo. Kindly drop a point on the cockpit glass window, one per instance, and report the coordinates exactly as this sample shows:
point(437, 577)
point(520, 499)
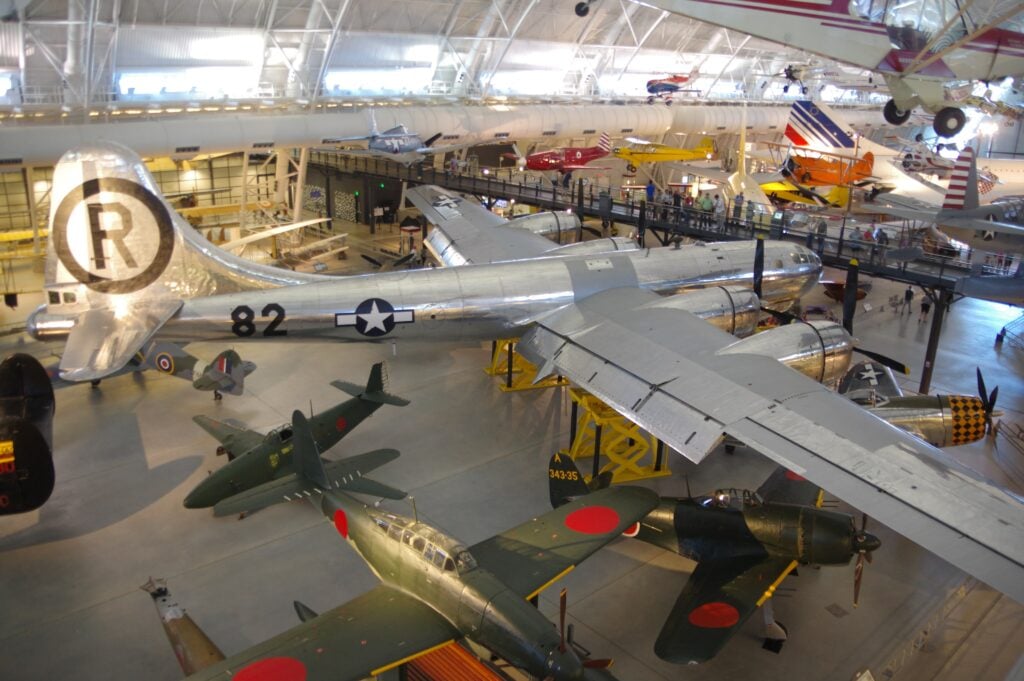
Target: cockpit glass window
point(407, 537)
point(286, 434)
point(382, 523)
point(449, 565)
point(465, 562)
point(429, 553)
point(418, 543)
point(395, 532)
point(439, 558)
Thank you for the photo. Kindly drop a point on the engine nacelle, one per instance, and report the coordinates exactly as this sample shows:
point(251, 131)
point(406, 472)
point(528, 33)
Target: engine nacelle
point(559, 226)
point(733, 309)
point(816, 536)
point(594, 246)
point(820, 350)
point(42, 325)
point(26, 435)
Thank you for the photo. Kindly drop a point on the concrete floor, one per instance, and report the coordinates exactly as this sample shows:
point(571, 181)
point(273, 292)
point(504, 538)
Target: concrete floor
point(127, 454)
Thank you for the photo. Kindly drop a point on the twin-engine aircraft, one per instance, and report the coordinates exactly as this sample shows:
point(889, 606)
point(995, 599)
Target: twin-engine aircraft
point(626, 325)
point(262, 470)
point(435, 590)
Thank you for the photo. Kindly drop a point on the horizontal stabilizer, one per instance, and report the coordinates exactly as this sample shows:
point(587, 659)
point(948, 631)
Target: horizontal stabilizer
point(345, 474)
point(104, 340)
point(381, 397)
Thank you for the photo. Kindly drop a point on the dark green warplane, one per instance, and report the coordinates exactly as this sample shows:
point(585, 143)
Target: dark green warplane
point(261, 469)
point(434, 589)
point(745, 543)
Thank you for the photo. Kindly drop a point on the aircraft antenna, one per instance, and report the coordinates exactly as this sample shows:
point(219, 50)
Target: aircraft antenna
point(689, 494)
point(415, 513)
point(311, 409)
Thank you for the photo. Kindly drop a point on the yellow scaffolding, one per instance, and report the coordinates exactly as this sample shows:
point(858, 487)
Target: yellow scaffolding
point(518, 374)
point(598, 431)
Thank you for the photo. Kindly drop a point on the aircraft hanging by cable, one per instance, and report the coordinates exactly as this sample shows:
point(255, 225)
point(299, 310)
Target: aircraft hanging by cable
point(642, 151)
point(397, 144)
point(919, 47)
point(567, 159)
point(828, 170)
point(434, 589)
point(261, 468)
point(637, 328)
point(664, 88)
point(744, 542)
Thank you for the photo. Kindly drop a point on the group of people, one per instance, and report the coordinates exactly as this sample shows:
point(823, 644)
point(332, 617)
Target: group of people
point(710, 210)
point(908, 300)
point(872, 237)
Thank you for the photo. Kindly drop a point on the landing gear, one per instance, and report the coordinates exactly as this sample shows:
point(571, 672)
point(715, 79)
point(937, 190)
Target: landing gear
point(668, 101)
point(631, 168)
point(650, 100)
point(893, 115)
point(775, 634)
point(582, 9)
point(217, 397)
point(949, 121)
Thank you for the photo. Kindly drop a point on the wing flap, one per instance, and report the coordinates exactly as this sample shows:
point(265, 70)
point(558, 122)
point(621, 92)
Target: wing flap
point(362, 638)
point(103, 340)
point(533, 555)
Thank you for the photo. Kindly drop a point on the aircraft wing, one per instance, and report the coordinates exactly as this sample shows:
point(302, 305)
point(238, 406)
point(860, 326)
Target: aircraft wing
point(717, 599)
point(234, 439)
point(528, 558)
point(676, 376)
point(364, 637)
point(269, 232)
point(466, 233)
point(784, 486)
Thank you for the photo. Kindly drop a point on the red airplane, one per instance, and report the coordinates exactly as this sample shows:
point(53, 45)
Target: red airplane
point(664, 88)
point(569, 158)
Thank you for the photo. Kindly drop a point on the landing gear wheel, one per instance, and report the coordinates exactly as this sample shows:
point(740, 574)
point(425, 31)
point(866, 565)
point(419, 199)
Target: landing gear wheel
point(217, 397)
point(774, 645)
point(949, 121)
point(650, 100)
point(631, 168)
point(668, 101)
point(804, 90)
point(582, 9)
point(894, 116)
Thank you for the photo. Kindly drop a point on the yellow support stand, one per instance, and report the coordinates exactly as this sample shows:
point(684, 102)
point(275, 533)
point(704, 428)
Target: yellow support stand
point(600, 431)
point(518, 374)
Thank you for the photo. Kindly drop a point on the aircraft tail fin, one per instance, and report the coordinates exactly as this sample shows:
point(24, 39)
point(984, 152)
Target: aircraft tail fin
point(869, 382)
point(345, 474)
point(121, 260)
point(814, 125)
point(375, 390)
point(605, 143)
point(962, 193)
point(565, 482)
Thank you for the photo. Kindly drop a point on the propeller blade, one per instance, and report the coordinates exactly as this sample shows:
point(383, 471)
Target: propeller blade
point(373, 261)
point(562, 601)
point(783, 317)
point(404, 259)
point(758, 266)
point(858, 572)
point(593, 230)
point(604, 663)
point(893, 364)
point(982, 393)
point(850, 295)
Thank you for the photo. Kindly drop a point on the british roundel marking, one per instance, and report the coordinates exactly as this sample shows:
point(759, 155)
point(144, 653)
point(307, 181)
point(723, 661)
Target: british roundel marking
point(593, 520)
point(165, 363)
point(273, 669)
point(714, 615)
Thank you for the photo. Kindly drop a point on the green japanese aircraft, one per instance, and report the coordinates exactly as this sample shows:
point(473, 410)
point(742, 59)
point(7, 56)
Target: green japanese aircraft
point(261, 468)
point(745, 543)
point(434, 589)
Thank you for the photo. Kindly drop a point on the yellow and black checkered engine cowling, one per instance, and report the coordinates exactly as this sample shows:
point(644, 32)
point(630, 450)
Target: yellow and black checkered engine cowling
point(963, 418)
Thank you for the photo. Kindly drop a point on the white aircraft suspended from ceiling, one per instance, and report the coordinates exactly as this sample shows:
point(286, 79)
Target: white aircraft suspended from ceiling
point(920, 47)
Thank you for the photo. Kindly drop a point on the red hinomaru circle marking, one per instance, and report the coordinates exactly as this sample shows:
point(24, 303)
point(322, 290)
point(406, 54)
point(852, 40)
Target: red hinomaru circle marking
point(592, 520)
point(273, 669)
point(632, 531)
point(341, 424)
point(341, 523)
point(790, 475)
point(714, 615)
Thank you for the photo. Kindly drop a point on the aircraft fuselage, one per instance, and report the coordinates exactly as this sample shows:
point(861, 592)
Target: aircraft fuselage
point(479, 302)
point(426, 564)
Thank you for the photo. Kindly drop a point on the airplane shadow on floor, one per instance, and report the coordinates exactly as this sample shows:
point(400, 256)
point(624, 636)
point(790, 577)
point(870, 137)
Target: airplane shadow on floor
point(114, 486)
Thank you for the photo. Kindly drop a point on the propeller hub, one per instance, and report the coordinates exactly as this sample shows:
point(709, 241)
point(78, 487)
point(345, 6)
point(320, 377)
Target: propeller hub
point(865, 542)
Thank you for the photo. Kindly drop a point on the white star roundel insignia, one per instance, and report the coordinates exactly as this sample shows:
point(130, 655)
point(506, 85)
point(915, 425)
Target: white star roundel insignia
point(374, 317)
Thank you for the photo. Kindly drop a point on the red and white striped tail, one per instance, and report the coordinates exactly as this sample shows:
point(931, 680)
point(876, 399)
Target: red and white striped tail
point(959, 181)
point(605, 143)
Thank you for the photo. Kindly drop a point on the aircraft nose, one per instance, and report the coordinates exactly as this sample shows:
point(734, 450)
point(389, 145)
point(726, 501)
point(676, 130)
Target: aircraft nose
point(564, 665)
point(866, 542)
point(200, 496)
